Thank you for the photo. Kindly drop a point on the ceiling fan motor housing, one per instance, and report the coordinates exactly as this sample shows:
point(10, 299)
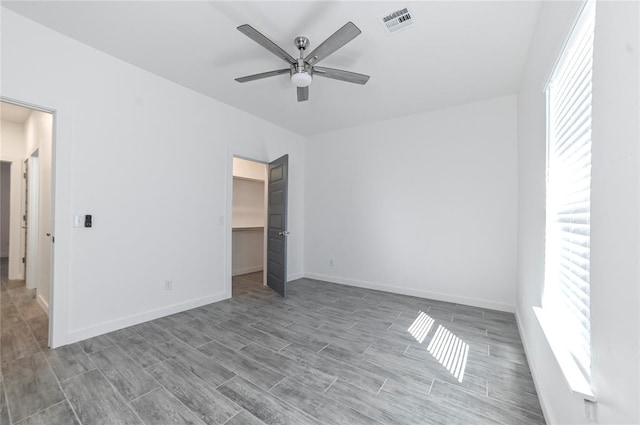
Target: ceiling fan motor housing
point(301, 42)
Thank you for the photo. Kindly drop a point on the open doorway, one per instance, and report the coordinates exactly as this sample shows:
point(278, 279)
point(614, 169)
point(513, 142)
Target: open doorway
point(5, 213)
point(248, 226)
point(26, 152)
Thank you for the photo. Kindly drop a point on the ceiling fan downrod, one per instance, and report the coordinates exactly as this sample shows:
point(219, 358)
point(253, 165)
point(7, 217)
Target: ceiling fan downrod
point(301, 72)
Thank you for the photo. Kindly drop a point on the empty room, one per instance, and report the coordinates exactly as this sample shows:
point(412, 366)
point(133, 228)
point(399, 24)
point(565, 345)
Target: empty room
point(320, 212)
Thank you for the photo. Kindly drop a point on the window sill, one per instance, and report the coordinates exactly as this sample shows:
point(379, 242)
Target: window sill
point(572, 374)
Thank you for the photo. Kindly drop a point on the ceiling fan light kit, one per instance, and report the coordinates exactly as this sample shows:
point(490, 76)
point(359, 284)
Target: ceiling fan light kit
point(301, 79)
point(301, 70)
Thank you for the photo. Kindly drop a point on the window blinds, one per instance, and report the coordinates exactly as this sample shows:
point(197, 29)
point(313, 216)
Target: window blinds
point(567, 239)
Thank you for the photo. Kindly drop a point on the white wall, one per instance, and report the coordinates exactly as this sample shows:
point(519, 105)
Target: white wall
point(12, 149)
point(422, 205)
point(249, 169)
point(151, 161)
point(13, 139)
point(614, 220)
point(248, 203)
point(248, 251)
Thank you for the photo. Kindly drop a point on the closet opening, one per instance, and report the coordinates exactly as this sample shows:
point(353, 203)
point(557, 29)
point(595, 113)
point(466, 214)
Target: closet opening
point(249, 213)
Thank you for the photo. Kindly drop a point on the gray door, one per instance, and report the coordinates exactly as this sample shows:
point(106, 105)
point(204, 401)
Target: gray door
point(25, 222)
point(277, 226)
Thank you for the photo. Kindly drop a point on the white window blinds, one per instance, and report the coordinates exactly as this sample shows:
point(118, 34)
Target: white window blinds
point(567, 238)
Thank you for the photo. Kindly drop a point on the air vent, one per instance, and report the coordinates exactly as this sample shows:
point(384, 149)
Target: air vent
point(398, 20)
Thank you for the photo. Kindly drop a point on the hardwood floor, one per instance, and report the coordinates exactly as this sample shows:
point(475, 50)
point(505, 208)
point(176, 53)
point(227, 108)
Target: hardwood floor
point(328, 354)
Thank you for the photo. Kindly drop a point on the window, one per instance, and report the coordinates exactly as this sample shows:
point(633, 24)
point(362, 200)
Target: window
point(567, 236)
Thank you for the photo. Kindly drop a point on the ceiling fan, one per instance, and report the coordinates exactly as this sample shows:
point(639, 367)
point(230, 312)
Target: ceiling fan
point(303, 69)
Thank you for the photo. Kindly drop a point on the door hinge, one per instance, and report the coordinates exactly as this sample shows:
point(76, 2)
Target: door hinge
point(24, 218)
point(24, 176)
point(24, 260)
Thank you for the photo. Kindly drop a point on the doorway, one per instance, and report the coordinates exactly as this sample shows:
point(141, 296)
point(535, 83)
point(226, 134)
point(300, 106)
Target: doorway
point(273, 225)
point(5, 213)
point(249, 200)
point(26, 152)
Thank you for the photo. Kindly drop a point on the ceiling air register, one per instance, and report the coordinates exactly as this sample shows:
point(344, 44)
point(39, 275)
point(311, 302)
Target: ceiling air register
point(398, 20)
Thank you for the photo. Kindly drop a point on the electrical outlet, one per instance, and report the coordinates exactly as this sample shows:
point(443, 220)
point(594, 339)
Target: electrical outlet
point(332, 262)
point(168, 285)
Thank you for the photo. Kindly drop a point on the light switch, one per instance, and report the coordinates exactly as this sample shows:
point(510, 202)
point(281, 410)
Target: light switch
point(77, 220)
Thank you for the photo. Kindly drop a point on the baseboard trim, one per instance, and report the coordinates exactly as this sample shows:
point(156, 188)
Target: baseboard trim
point(534, 371)
point(44, 305)
point(294, 276)
point(114, 325)
point(246, 270)
point(476, 302)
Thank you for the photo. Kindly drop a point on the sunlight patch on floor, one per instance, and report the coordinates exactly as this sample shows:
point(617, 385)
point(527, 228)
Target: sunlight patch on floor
point(420, 327)
point(450, 351)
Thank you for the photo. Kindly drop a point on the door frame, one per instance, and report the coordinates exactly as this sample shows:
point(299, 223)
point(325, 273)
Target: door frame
point(227, 219)
point(32, 230)
point(61, 112)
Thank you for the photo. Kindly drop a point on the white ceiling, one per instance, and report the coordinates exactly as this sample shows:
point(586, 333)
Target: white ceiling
point(14, 113)
point(457, 52)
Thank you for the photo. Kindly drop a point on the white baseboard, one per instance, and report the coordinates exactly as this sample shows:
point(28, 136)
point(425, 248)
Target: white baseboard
point(534, 371)
point(16, 276)
point(246, 270)
point(43, 304)
point(114, 325)
point(476, 302)
point(295, 276)
point(290, 277)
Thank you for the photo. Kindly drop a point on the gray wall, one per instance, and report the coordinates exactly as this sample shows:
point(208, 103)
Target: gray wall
point(5, 202)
